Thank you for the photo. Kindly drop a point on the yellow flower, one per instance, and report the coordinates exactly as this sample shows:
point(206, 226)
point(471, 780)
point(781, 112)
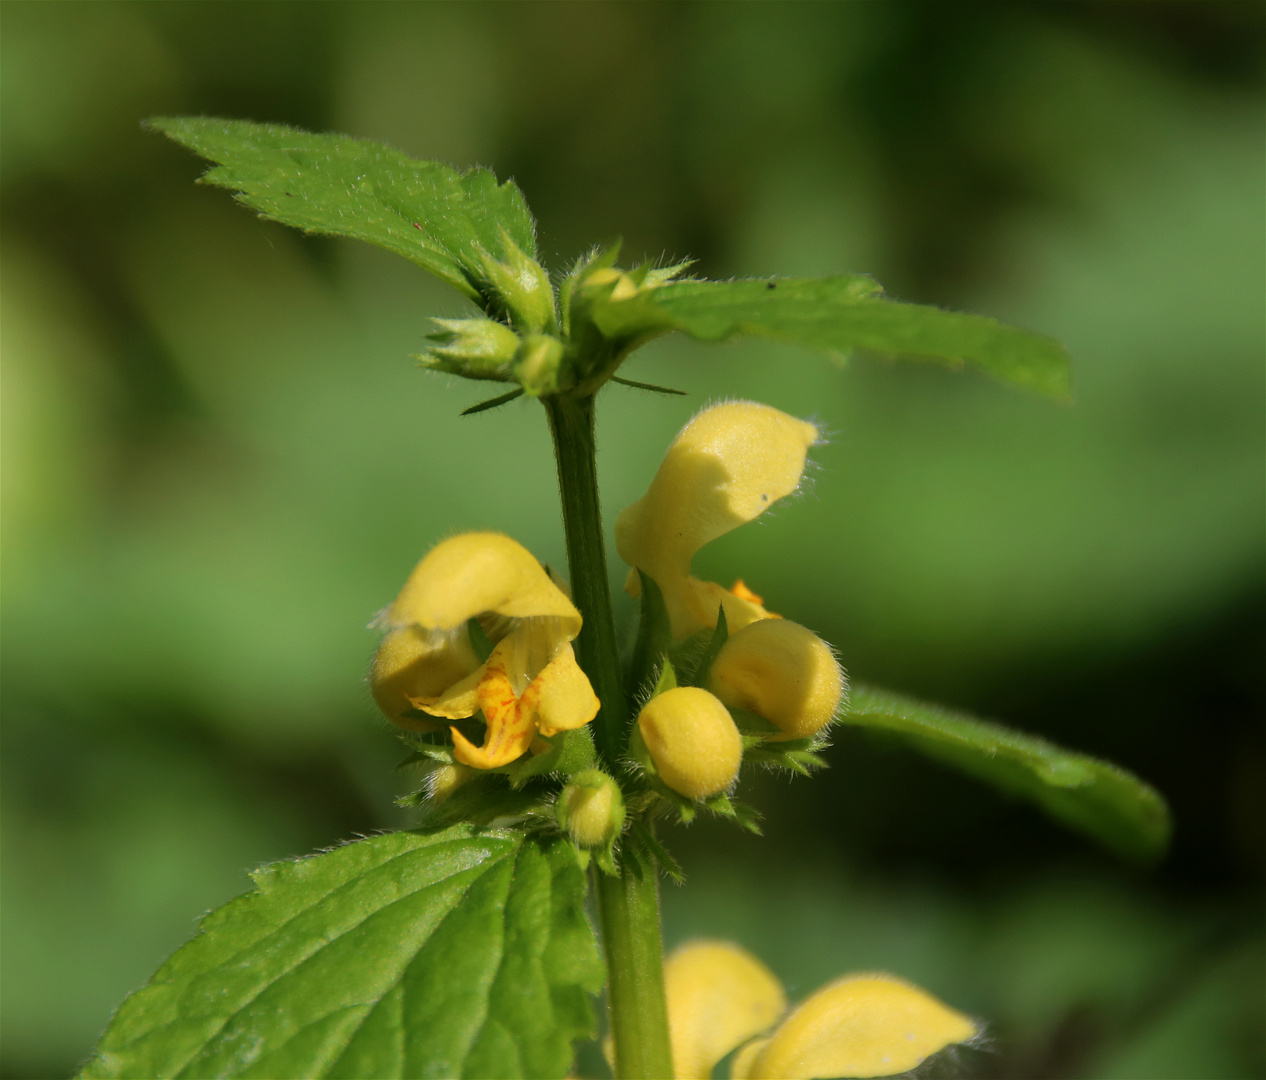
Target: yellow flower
point(727, 467)
point(529, 685)
point(867, 1025)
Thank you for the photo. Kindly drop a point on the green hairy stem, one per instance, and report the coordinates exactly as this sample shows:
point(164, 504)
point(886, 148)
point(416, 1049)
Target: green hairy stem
point(628, 906)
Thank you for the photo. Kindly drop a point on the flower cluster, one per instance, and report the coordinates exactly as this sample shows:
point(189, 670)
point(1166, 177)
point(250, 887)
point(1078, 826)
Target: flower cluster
point(727, 467)
point(721, 998)
point(481, 629)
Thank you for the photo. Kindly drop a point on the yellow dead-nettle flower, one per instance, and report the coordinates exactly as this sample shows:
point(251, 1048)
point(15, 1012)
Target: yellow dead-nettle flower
point(529, 685)
point(868, 1025)
point(727, 467)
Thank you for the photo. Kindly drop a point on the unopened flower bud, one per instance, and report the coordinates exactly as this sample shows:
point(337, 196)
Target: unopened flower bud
point(522, 286)
point(692, 740)
point(591, 808)
point(475, 348)
point(625, 286)
point(782, 672)
point(442, 782)
point(537, 364)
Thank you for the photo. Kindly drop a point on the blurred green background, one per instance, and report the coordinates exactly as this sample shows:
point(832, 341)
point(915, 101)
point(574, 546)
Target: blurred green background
point(219, 462)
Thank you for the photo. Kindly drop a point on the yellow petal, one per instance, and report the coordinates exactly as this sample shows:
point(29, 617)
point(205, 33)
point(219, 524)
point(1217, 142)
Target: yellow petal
point(557, 696)
point(474, 573)
point(692, 740)
point(412, 663)
point(454, 702)
point(729, 465)
point(740, 589)
point(703, 598)
point(718, 996)
point(741, 1064)
point(860, 1026)
point(782, 671)
point(511, 727)
point(564, 698)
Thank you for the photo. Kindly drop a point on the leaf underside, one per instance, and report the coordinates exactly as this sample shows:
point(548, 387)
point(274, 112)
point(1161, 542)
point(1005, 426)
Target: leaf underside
point(837, 315)
point(455, 953)
point(1095, 797)
point(428, 212)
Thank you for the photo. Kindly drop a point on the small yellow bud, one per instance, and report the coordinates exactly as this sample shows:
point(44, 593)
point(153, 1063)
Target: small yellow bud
point(536, 366)
point(442, 782)
point(692, 739)
point(591, 808)
point(780, 671)
point(604, 275)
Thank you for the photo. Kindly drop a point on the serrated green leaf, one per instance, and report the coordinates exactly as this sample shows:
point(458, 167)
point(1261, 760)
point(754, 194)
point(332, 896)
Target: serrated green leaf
point(1097, 798)
point(454, 953)
point(837, 315)
point(440, 218)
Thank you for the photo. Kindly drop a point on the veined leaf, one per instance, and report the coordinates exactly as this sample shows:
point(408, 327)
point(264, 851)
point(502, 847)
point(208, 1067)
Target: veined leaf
point(1098, 798)
point(837, 315)
point(456, 953)
point(424, 210)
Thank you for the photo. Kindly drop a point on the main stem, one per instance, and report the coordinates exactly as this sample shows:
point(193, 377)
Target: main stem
point(628, 906)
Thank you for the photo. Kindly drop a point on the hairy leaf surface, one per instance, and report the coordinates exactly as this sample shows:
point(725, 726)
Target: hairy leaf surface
point(1093, 796)
point(424, 210)
point(837, 315)
point(456, 953)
